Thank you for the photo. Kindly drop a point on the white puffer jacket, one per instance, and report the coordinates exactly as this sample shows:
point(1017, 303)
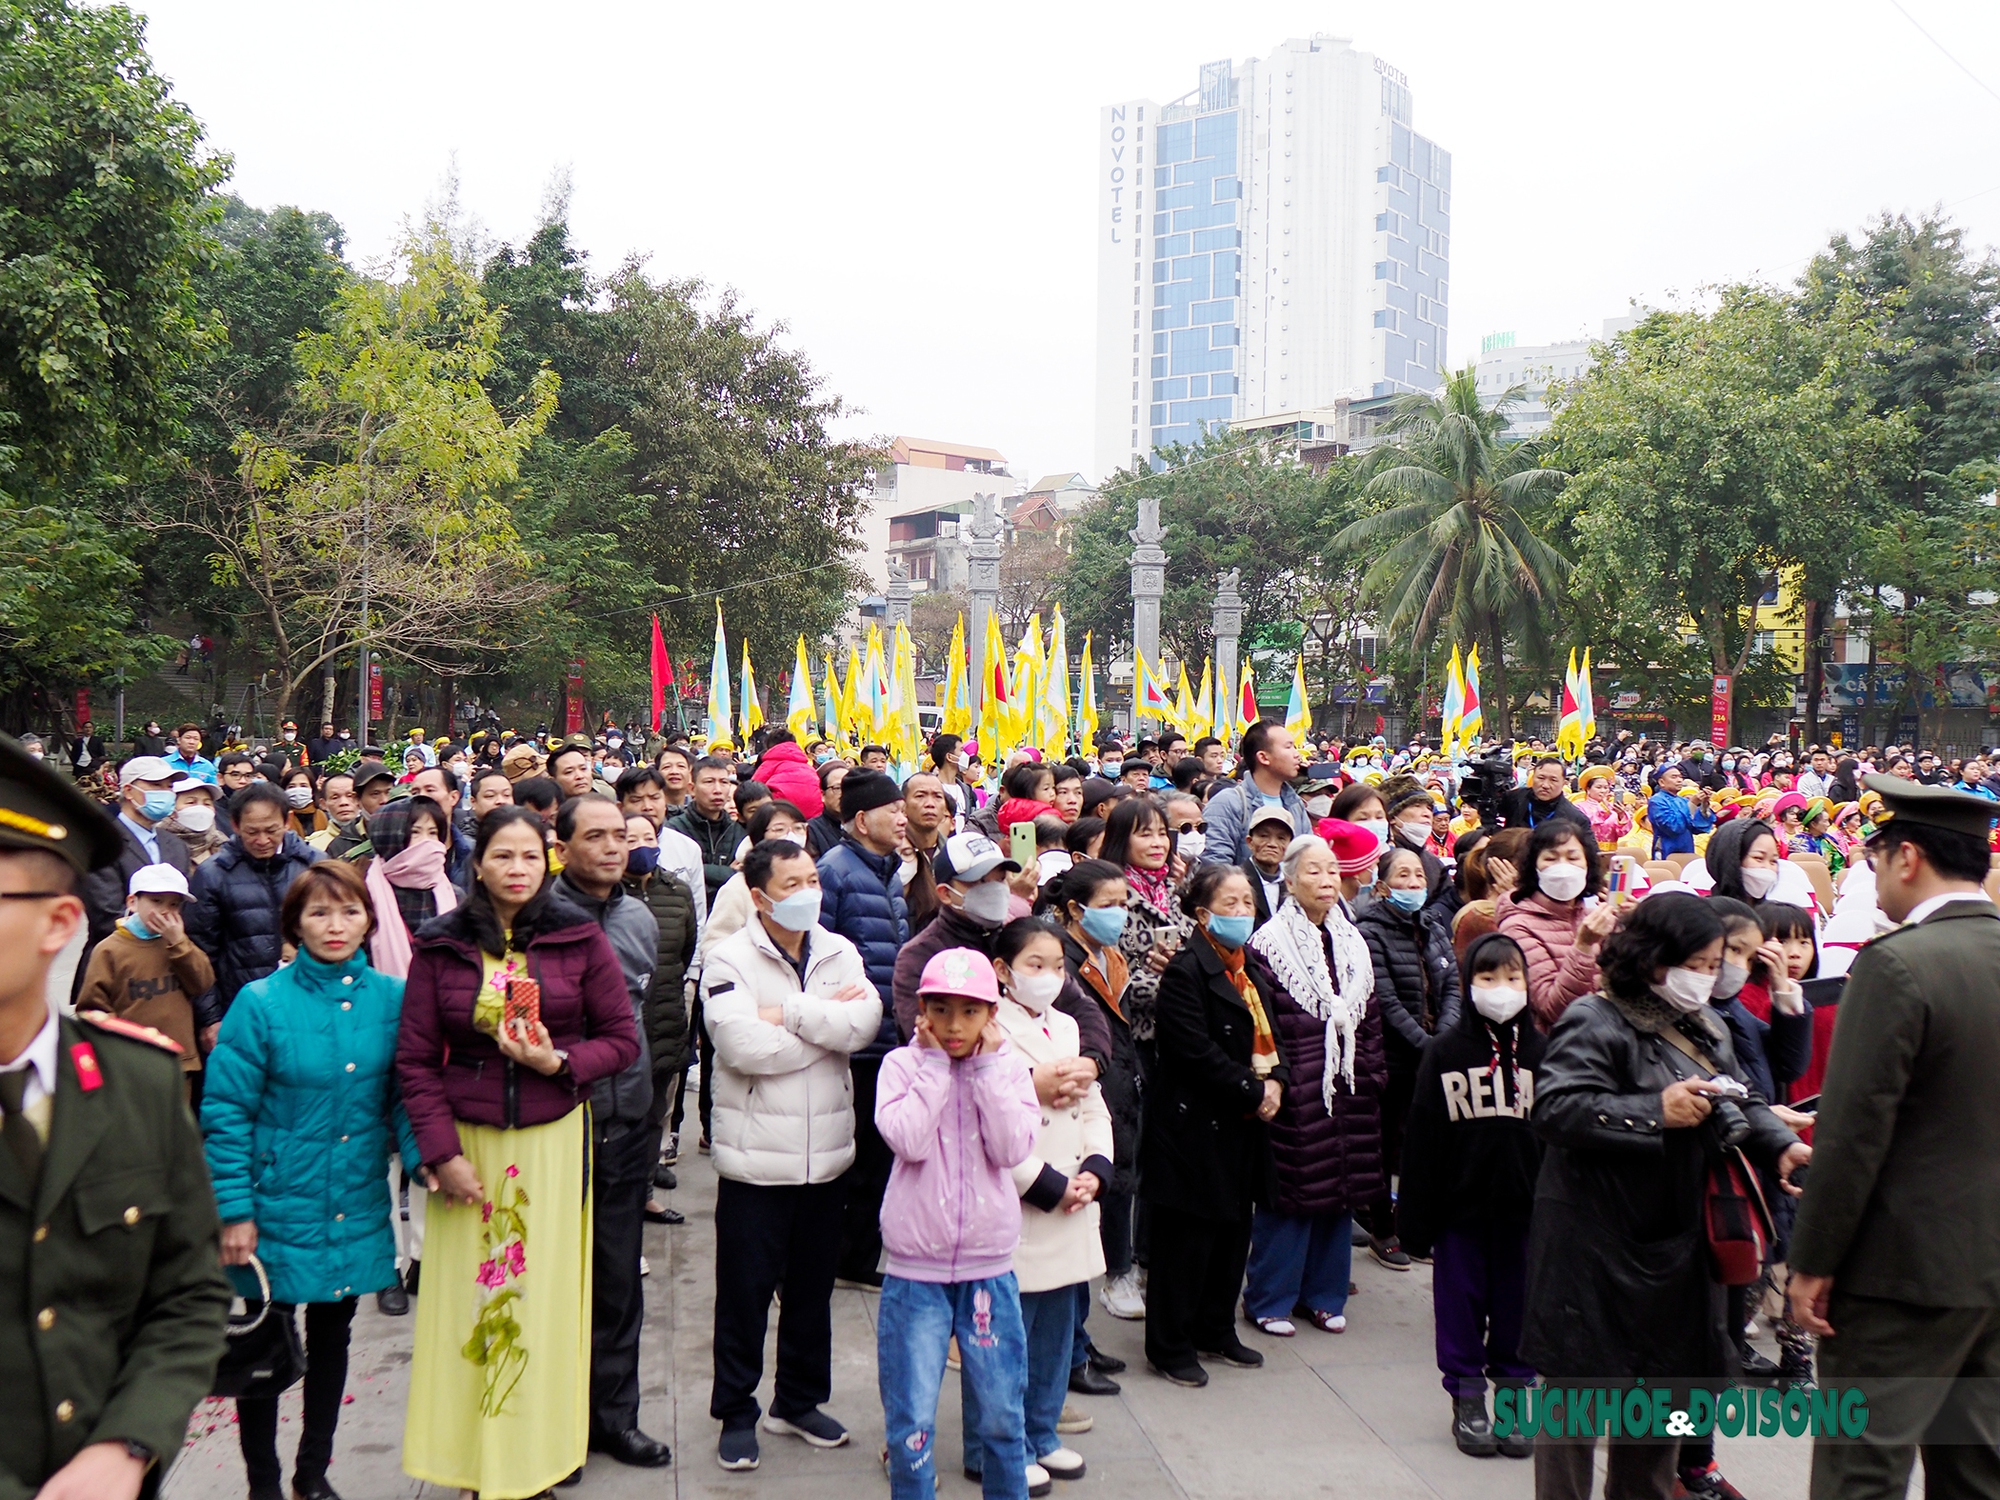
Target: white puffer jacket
point(784, 1098)
point(1057, 1249)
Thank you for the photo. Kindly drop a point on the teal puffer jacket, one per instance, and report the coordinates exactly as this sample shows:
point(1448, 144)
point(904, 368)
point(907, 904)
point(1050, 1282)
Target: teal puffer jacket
point(300, 1112)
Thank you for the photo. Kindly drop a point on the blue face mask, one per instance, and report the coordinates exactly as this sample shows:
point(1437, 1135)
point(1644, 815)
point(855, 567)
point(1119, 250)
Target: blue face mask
point(136, 925)
point(642, 861)
point(1409, 901)
point(1103, 924)
point(159, 805)
point(1231, 932)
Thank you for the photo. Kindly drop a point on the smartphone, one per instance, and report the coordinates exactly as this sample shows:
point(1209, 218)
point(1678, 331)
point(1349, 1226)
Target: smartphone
point(1621, 879)
point(524, 1001)
point(1807, 1106)
point(1021, 844)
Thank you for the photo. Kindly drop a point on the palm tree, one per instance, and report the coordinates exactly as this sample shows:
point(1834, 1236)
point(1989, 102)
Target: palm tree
point(1464, 554)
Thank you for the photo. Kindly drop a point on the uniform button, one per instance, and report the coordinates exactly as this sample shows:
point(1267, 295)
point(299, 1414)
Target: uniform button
point(41, 1233)
point(65, 1410)
point(339, 1218)
point(350, 1067)
point(45, 1319)
point(347, 979)
point(343, 1140)
point(132, 1215)
point(347, 1005)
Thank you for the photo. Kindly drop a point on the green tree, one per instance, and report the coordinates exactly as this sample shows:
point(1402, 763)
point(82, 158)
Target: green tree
point(1457, 548)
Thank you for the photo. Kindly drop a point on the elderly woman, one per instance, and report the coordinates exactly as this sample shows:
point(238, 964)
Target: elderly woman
point(1326, 1140)
point(1548, 916)
point(1620, 1286)
point(1204, 1152)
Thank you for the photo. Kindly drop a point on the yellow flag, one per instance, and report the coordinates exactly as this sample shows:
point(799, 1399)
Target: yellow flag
point(799, 706)
point(1086, 700)
point(993, 693)
point(1055, 695)
point(753, 711)
point(1203, 721)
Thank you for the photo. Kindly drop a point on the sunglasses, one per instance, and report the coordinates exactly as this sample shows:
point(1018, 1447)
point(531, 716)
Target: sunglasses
point(1191, 827)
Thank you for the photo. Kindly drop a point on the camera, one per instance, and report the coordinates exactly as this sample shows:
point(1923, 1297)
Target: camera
point(1732, 1126)
point(1484, 782)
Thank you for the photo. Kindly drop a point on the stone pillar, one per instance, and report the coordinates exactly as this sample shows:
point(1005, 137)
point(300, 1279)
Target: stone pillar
point(899, 595)
point(1149, 582)
point(1227, 620)
point(983, 578)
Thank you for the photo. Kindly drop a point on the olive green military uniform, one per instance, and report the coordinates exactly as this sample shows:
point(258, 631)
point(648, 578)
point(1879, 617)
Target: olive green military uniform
point(1902, 1203)
point(114, 1303)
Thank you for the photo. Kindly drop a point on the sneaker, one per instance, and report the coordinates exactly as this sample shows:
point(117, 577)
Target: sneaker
point(1071, 1421)
point(814, 1425)
point(1704, 1484)
point(1122, 1298)
point(1064, 1463)
point(645, 1266)
point(1191, 1374)
point(1389, 1253)
point(672, 1154)
point(737, 1448)
point(1237, 1353)
point(1039, 1481)
point(1471, 1428)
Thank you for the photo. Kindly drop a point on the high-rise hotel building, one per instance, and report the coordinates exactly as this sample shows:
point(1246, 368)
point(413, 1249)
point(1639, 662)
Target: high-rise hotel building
point(1274, 240)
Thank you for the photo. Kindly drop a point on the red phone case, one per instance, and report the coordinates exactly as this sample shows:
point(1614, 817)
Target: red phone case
point(524, 1001)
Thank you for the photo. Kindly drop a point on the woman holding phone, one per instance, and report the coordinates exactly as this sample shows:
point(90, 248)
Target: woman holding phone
point(1138, 840)
point(515, 1006)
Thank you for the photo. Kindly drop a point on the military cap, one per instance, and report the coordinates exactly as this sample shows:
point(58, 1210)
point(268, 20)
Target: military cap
point(41, 810)
point(1934, 806)
point(578, 742)
point(368, 772)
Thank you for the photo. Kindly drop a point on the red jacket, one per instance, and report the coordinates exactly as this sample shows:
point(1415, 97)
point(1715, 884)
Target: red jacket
point(791, 778)
point(450, 1072)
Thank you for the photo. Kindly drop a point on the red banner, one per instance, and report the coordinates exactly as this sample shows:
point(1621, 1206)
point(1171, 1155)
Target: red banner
point(82, 707)
point(374, 692)
point(1718, 718)
point(573, 715)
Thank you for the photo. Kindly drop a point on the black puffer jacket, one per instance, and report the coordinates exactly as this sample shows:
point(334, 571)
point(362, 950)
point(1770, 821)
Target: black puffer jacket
point(1618, 1271)
point(1416, 980)
point(717, 839)
point(666, 1013)
point(1121, 1078)
point(233, 916)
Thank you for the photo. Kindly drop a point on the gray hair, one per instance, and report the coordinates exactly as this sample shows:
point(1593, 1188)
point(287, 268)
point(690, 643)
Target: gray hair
point(1298, 849)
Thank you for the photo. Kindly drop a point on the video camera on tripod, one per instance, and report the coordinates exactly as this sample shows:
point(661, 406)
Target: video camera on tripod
point(1484, 782)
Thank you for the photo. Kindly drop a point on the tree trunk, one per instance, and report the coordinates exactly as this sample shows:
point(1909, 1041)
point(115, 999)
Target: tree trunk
point(1496, 710)
point(327, 686)
point(1815, 667)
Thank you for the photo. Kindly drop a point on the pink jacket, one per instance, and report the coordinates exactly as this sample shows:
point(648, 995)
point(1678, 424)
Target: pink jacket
point(951, 1212)
point(1558, 970)
point(791, 778)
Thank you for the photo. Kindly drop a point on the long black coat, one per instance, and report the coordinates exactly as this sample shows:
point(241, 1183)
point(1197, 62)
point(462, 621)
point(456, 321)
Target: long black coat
point(1325, 1163)
point(1120, 1077)
point(1618, 1273)
point(1203, 1150)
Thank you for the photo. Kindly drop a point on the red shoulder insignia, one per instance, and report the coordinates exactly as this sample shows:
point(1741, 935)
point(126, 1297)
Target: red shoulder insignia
point(119, 1026)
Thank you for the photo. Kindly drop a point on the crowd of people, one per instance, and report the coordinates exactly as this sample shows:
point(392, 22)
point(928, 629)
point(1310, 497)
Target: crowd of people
point(1165, 1031)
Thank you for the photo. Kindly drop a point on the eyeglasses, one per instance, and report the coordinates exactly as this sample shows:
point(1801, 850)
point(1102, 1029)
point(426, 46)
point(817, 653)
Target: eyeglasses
point(1191, 827)
point(31, 895)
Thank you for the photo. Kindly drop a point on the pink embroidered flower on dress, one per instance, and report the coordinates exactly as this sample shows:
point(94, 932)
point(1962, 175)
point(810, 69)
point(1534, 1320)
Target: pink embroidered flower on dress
point(486, 1213)
point(513, 1171)
point(517, 1259)
point(491, 1274)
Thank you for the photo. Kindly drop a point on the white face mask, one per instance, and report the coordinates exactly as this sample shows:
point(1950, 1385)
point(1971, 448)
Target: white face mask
point(1319, 807)
point(1036, 992)
point(1685, 989)
point(1499, 1003)
point(1191, 845)
point(196, 817)
point(299, 796)
point(1758, 883)
point(985, 903)
point(1415, 834)
point(1729, 983)
point(1561, 882)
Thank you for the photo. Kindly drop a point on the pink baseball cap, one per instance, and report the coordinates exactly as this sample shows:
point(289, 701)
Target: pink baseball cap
point(963, 972)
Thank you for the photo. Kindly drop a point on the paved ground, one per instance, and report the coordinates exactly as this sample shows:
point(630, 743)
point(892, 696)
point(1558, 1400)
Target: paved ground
point(1359, 1414)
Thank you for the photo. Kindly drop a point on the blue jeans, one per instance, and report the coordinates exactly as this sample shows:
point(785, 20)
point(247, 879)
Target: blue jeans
point(1080, 1347)
point(1298, 1261)
point(1049, 1319)
point(912, 1331)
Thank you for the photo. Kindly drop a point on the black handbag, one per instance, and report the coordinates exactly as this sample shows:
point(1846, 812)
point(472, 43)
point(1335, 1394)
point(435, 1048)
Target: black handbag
point(262, 1354)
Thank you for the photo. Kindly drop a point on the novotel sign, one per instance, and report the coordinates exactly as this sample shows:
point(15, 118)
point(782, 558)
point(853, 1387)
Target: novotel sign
point(1394, 75)
point(1124, 161)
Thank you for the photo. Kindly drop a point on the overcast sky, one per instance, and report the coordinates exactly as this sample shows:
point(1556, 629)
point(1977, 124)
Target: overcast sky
point(910, 188)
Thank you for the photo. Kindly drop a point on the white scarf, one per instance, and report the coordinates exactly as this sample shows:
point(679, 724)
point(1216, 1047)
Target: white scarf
point(1290, 944)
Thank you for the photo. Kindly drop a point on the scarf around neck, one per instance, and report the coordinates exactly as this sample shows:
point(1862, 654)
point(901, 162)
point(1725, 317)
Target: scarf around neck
point(1263, 1040)
point(417, 865)
point(1154, 887)
point(1290, 943)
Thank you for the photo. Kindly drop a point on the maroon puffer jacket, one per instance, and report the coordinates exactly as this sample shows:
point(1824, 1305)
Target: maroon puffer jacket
point(1326, 1164)
point(450, 1072)
point(791, 778)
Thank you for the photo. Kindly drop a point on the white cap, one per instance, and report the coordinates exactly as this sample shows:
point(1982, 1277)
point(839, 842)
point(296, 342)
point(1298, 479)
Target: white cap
point(158, 880)
point(195, 784)
point(969, 857)
point(147, 768)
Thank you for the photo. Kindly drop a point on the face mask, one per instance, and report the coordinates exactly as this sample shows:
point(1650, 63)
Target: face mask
point(1377, 826)
point(196, 817)
point(1499, 1003)
point(642, 861)
point(962, 758)
point(1052, 864)
point(985, 903)
point(1416, 835)
point(291, 734)
point(1103, 924)
point(1111, 769)
point(136, 925)
point(1561, 882)
point(1036, 992)
point(798, 912)
point(1319, 807)
point(299, 796)
point(1729, 765)
point(1729, 982)
point(1757, 884)
point(158, 805)
point(1408, 901)
point(1231, 932)
point(1191, 845)
point(1684, 989)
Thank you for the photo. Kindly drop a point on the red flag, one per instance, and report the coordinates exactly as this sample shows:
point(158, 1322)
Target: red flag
point(663, 676)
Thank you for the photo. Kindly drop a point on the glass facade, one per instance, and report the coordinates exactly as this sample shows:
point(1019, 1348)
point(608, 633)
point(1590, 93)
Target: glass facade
point(1196, 262)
